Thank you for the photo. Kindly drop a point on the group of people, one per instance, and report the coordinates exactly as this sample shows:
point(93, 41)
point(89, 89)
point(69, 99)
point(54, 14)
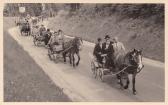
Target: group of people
point(108, 49)
point(51, 38)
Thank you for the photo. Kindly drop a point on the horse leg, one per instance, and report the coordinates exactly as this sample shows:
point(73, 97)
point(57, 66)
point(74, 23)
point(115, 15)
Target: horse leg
point(118, 79)
point(121, 82)
point(126, 86)
point(133, 84)
point(78, 59)
point(73, 60)
point(64, 56)
point(29, 32)
point(26, 32)
point(70, 58)
point(118, 76)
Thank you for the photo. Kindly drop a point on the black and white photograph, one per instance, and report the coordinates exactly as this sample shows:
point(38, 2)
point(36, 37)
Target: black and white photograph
point(83, 52)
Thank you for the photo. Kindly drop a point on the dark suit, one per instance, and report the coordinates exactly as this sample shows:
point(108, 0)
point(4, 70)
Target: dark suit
point(97, 51)
point(109, 51)
point(47, 36)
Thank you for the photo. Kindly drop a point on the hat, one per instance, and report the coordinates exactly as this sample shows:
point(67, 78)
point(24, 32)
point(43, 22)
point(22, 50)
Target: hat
point(107, 37)
point(99, 39)
point(59, 30)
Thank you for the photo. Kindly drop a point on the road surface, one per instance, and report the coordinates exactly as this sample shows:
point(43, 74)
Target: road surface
point(80, 85)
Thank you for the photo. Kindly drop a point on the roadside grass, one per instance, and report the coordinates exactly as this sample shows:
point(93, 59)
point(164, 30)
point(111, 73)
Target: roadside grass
point(134, 33)
point(24, 80)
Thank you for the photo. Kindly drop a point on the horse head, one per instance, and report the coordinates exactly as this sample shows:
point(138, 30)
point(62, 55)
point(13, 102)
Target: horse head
point(136, 58)
point(78, 42)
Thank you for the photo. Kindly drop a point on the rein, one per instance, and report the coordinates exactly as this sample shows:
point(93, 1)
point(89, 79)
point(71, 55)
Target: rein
point(123, 70)
point(119, 71)
point(66, 49)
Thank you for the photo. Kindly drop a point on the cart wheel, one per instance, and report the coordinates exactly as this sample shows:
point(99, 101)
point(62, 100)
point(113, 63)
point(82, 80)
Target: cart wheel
point(50, 54)
point(101, 75)
point(93, 67)
point(94, 70)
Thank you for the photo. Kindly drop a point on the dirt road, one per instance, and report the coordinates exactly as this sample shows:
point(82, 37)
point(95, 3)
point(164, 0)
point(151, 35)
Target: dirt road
point(79, 84)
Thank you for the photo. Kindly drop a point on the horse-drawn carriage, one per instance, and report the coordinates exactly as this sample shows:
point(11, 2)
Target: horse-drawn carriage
point(19, 21)
point(131, 64)
point(58, 51)
point(25, 28)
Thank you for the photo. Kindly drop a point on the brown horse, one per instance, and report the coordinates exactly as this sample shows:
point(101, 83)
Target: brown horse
point(73, 47)
point(131, 64)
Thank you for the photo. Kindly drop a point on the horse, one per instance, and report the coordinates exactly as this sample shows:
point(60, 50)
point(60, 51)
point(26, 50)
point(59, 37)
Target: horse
point(73, 47)
point(26, 29)
point(129, 63)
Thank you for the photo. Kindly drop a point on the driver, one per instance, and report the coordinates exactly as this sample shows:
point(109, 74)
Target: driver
point(98, 51)
point(53, 40)
point(108, 50)
point(47, 36)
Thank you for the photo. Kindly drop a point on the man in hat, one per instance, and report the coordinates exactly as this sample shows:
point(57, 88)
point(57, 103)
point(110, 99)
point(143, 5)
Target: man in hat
point(108, 50)
point(98, 50)
point(47, 36)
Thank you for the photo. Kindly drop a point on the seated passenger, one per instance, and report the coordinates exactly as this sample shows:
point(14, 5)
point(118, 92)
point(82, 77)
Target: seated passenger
point(54, 40)
point(119, 49)
point(47, 36)
point(98, 51)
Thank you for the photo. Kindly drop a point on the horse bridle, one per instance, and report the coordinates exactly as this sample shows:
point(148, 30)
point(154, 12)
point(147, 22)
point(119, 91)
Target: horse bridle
point(133, 62)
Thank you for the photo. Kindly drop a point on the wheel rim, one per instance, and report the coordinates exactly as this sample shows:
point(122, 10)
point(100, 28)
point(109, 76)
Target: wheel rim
point(101, 74)
point(93, 67)
point(49, 54)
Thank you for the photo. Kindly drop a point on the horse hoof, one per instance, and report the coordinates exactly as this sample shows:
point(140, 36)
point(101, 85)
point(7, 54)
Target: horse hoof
point(134, 92)
point(77, 64)
point(125, 87)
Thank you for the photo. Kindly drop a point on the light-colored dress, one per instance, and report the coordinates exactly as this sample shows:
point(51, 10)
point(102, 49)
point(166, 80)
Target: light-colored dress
point(119, 52)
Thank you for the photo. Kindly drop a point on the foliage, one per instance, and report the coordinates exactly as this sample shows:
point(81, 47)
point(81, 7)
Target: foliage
point(92, 10)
